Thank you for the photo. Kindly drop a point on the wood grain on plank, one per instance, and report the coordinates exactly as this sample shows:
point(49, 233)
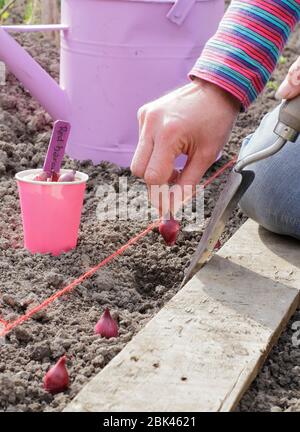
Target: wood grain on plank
point(204, 348)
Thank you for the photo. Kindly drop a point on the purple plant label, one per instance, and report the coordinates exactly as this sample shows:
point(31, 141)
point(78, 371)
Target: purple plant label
point(57, 145)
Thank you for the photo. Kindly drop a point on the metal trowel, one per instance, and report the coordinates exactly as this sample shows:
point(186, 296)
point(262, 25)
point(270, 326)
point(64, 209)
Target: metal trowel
point(287, 129)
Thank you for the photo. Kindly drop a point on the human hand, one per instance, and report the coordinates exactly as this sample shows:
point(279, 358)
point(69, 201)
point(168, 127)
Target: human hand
point(195, 120)
point(290, 87)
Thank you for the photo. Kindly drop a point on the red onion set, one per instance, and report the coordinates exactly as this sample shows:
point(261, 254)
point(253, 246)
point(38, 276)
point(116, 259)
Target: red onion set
point(54, 177)
point(57, 379)
point(169, 229)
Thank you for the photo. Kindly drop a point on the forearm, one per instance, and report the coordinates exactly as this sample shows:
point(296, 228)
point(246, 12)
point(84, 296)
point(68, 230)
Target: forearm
point(243, 53)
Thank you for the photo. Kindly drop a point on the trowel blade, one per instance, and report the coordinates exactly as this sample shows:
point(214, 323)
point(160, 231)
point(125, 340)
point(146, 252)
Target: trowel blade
point(236, 186)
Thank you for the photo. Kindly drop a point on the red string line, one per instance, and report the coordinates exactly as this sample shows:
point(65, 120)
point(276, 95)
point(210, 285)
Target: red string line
point(76, 282)
point(220, 171)
point(8, 327)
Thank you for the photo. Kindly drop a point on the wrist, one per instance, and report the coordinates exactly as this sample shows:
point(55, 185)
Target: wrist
point(216, 91)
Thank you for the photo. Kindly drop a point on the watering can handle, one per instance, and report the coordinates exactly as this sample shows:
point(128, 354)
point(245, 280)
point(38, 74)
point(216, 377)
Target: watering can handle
point(180, 11)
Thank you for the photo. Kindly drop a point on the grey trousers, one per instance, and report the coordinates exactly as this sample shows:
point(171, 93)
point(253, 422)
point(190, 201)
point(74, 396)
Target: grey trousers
point(273, 199)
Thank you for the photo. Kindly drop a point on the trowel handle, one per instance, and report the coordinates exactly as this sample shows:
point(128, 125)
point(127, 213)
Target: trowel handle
point(287, 129)
point(289, 116)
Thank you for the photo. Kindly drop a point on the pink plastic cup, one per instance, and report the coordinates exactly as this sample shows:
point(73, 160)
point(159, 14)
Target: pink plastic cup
point(50, 212)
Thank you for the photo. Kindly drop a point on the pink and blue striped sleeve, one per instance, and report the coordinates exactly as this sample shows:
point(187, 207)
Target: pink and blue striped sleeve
point(243, 53)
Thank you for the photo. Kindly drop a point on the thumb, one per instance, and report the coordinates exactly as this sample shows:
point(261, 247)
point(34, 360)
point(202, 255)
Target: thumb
point(290, 87)
point(287, 90)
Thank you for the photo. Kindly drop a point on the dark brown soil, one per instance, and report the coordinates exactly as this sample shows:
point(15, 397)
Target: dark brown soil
point(134, 287)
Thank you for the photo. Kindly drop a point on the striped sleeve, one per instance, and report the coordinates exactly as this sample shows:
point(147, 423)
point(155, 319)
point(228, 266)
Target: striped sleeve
point(243, 53)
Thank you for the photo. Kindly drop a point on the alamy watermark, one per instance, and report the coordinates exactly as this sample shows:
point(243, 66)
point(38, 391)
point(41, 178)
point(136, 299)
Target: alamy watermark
point(125, 201)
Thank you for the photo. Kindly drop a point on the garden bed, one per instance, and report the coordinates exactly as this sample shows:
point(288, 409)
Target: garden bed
point(134, 286)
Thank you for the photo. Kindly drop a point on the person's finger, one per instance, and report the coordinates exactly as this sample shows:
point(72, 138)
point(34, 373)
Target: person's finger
point(160, 199)
point(287, 90)
point(193, 171)
point(141, 116)
point(174, 176)
point(161, 164)
point(290, 87)
point(186, 183)
point(294, 91)
point(143, 152)
point(160, 171)
point(159, 195)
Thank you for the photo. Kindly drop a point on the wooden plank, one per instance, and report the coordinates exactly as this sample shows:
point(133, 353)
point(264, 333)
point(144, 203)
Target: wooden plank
point(203, 349)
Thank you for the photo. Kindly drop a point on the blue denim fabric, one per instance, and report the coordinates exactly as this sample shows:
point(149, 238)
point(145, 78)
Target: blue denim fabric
point(273, 199)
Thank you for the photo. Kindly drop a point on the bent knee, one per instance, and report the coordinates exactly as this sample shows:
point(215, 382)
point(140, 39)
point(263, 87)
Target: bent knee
point(279, 219)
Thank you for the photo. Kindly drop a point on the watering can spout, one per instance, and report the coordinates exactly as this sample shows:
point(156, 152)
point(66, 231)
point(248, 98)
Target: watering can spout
point(34, 78)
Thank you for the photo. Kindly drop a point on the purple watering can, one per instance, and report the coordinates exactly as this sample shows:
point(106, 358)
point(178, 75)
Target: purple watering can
point(116, 55)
